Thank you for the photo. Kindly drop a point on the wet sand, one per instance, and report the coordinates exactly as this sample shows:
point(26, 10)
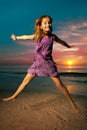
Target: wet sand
point(42, 111)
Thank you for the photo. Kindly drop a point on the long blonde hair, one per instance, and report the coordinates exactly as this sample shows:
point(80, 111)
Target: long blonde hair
point(38, 31)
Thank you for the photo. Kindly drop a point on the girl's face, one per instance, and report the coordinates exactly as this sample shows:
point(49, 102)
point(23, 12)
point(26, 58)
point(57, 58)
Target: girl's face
point(46, 25)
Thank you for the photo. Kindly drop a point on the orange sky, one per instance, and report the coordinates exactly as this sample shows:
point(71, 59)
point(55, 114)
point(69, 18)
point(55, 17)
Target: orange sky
point(74, 33)
point(69, 24)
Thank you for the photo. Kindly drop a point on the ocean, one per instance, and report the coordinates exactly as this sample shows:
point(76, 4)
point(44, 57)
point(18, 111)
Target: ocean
point(74, 78)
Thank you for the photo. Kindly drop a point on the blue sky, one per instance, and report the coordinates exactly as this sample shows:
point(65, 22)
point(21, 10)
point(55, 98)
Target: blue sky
point(69, 23)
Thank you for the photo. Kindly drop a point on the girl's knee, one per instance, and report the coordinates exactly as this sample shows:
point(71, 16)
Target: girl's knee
point(56, 80)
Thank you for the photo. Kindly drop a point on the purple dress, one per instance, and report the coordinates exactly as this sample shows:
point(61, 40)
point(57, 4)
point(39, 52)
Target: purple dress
point(43, 64)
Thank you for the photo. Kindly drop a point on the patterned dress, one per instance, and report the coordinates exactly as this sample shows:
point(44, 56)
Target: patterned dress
point(43, 64)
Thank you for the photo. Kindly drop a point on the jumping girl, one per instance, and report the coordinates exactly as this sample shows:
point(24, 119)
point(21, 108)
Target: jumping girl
point(43, 64)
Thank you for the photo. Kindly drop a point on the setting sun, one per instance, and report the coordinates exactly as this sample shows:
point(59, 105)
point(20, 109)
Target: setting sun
point(70, 62)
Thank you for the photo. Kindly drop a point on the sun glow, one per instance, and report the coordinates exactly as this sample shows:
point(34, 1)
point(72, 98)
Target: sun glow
point(70, 62)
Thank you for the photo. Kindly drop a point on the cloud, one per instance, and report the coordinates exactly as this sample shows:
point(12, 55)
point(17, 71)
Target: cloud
point(78, 26)
point(58, 47)
point(26, 42)
point(70, 49)
point(74, 33)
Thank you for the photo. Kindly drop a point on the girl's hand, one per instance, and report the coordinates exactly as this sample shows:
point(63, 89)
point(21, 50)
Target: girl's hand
point(72, 46)
point(13, 37)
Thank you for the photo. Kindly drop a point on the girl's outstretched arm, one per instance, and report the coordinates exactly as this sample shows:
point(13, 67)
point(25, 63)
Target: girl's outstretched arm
point(23, 37)
point(57, 39)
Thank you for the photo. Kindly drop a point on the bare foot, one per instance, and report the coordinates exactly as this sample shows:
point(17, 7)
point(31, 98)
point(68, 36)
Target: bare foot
point(77, 110)
point(9, 98)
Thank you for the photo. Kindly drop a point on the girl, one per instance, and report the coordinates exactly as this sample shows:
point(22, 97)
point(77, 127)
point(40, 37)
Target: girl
point(43, 64)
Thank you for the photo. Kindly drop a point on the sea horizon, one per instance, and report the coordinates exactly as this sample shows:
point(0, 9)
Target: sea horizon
point(75, 79)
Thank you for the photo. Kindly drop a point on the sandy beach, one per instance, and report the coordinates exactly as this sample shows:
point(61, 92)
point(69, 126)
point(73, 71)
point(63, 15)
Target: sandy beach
point(42, 111)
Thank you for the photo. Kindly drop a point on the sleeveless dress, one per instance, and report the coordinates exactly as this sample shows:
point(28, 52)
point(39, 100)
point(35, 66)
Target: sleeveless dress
point(43, 64)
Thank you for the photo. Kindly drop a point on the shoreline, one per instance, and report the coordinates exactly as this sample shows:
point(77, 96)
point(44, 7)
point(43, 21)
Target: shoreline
point(42, 111)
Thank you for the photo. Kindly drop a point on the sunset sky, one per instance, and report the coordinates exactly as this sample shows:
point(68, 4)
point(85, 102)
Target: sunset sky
point(69, 24)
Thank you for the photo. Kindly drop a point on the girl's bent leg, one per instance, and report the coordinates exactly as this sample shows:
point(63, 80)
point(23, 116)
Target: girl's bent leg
point(24, 83)
point(65, 91)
